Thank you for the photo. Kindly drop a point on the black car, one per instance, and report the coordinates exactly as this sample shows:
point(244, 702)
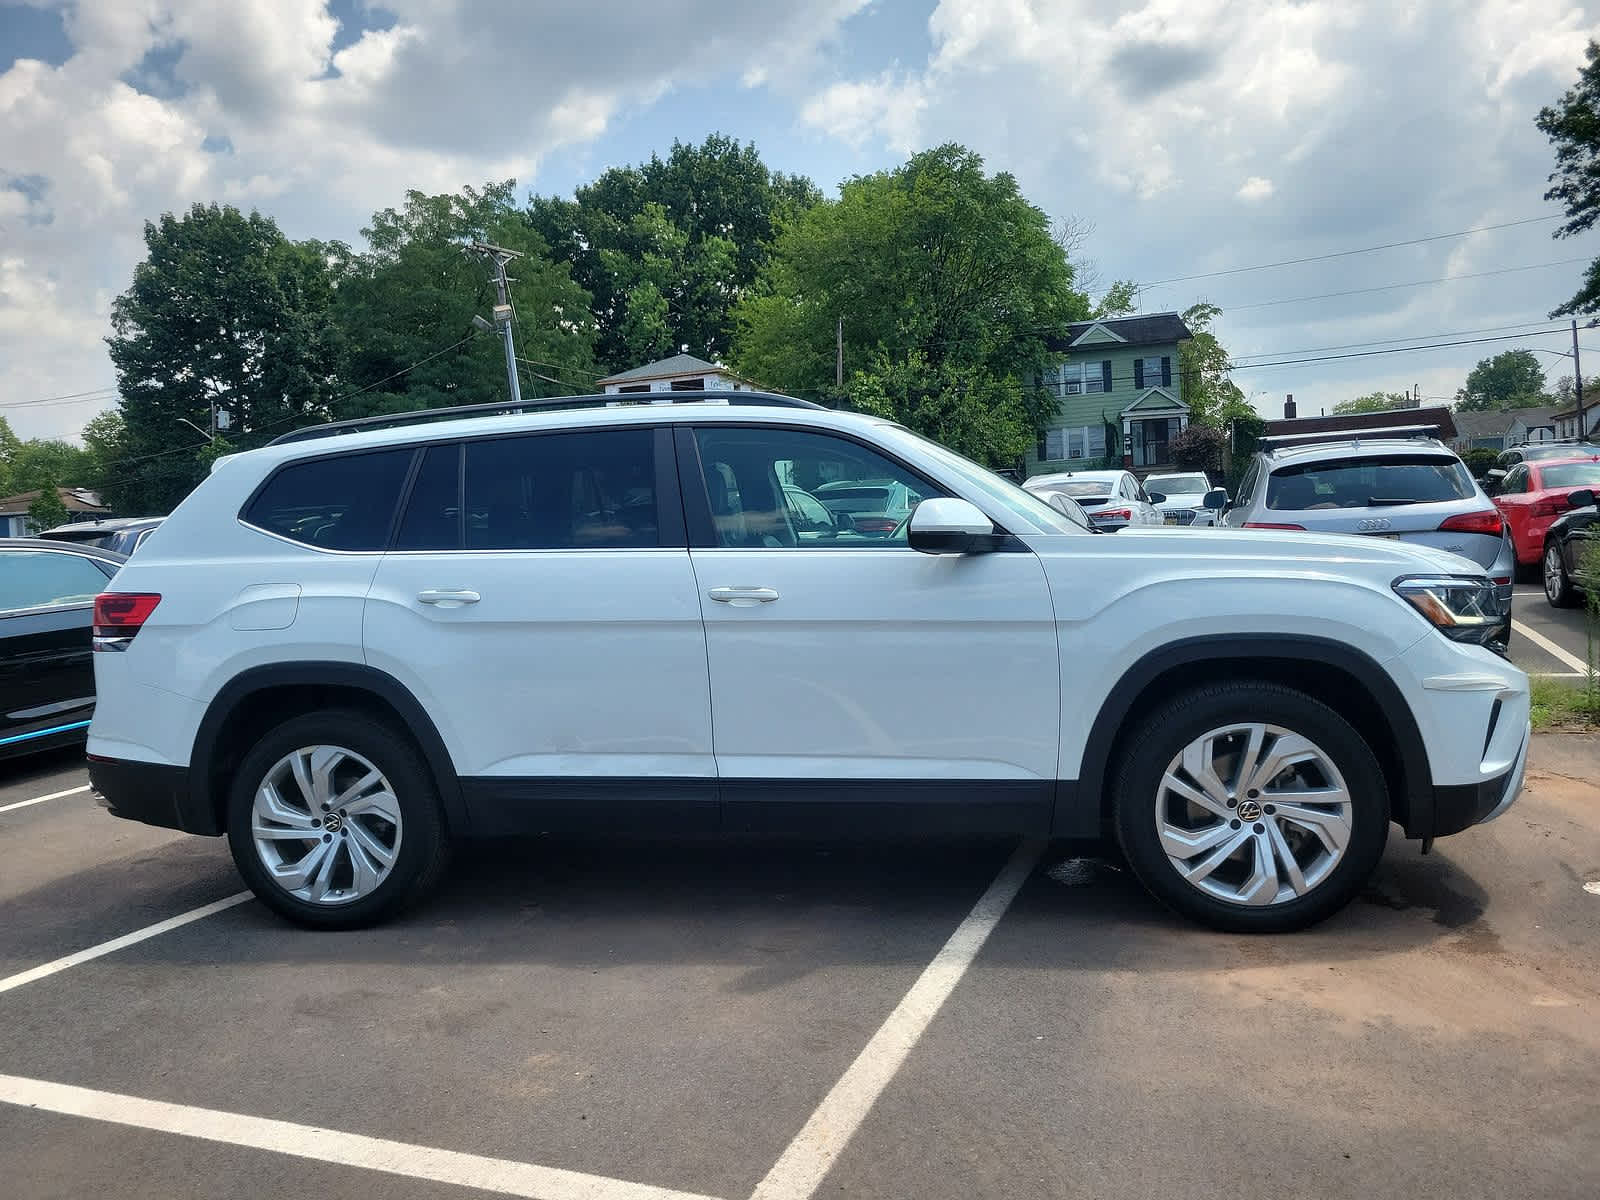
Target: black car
point(1571, 550)
point(47, 592)
point(120, 535)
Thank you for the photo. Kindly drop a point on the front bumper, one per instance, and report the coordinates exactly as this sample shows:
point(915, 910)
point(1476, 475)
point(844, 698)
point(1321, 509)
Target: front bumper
point(1462, 806)
point(154, 793)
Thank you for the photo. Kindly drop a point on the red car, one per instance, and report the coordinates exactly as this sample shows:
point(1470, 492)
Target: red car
point(1533, 494)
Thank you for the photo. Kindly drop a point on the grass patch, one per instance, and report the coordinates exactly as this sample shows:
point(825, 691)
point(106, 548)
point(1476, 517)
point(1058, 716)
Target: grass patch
point(1564, 704)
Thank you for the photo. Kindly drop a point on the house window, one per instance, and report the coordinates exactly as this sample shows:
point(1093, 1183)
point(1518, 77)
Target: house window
point(1081, 377)
point(634, 387)
point(689, 385)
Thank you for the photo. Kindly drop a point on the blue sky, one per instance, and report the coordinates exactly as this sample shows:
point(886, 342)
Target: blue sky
point(1190, 136)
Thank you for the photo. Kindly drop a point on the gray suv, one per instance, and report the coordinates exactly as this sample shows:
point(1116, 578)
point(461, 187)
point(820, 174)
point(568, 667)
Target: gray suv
point(1410, 488)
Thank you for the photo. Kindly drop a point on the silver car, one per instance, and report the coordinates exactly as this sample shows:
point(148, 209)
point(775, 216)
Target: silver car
point(1413, 488)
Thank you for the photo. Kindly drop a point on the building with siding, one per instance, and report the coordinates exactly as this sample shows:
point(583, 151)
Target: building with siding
point(680, 373)
point(1120, 398)
point(80, 503)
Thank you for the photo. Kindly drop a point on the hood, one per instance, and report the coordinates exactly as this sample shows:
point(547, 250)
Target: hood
point(1234, 548)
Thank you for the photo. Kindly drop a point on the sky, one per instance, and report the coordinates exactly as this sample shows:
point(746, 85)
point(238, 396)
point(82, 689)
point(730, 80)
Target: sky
point(1194, 138)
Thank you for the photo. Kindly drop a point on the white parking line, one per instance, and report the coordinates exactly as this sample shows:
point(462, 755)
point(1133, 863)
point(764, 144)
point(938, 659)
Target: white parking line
point(817, 1146)
point(328, 1145)
point(5, 808)
point(1572, 661)
point(43, 970)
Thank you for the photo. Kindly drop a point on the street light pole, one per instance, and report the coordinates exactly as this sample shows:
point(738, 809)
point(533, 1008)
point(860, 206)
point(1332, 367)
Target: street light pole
point(502, 310)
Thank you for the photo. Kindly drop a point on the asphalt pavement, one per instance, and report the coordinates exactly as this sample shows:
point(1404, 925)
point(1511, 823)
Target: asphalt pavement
point(658, 1018)
point(1546, 640)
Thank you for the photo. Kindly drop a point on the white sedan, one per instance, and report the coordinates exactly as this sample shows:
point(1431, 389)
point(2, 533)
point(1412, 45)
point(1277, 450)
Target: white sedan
point(1185, 502)
point(1113, 499)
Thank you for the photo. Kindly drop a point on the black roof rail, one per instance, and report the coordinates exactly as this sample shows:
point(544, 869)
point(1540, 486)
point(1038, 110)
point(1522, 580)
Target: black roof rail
point(553, 404)
point(1285, 441)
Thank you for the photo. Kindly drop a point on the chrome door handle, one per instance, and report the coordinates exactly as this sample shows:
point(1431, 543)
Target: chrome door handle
point(449, 597)
point(743, 597)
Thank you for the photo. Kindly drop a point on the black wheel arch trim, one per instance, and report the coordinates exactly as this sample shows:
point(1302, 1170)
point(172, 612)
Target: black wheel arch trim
point(1089, 793)
point(356, 676)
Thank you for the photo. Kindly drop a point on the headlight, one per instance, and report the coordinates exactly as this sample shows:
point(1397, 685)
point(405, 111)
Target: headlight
point(1462, 607)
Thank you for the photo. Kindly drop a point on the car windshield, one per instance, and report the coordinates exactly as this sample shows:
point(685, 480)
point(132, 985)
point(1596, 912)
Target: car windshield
point(1376, 481)
point(1569, 475)
point(1010, 496)
point(1177, 485)
point(1083, 487)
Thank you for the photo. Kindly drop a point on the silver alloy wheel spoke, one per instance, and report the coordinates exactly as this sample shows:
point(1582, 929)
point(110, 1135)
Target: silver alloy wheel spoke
point(1254, 814)
point(326, 825)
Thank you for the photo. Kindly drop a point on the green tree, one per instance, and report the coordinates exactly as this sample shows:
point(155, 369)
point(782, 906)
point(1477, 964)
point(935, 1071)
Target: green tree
point(406, 302)
point(1372, 402)
point(973, 410)
point(932, 265)
point(48, 462)
point(47, 511)
point(10, 444)
point(1511, 379)
point(224, 313)
point(666, 248)
point(1573, 127)
point(1199, 448)
point(1213, 398)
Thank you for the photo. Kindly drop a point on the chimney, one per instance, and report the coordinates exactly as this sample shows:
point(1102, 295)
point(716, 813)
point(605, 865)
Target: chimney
point(1288, 407)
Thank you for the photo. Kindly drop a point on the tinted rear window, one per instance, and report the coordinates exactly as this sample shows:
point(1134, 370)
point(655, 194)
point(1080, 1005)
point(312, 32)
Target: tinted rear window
point(1368, 482)
point(345, 502)
point(1084, 488)
point(1570, 475)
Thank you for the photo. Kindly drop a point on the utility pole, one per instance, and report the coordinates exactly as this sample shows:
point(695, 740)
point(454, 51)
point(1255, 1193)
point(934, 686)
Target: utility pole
point(1577, 379)
point(838, 357)
point(502, 309)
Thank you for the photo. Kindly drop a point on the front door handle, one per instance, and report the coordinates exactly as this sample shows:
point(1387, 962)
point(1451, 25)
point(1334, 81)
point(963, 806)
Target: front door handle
point(449, 597)
point(743, 597)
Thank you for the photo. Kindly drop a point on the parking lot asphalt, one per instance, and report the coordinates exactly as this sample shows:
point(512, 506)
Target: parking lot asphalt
point(1546, 640)
point(576, 1017)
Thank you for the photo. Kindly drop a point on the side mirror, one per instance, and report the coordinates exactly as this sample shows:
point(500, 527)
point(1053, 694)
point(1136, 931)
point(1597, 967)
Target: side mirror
point(1217, 499)
point(1582, 498)
point(948, 525)
point(1156, 497)
point(1495, 474)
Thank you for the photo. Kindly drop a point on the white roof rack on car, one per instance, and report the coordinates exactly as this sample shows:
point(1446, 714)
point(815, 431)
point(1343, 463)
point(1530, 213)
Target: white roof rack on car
point(1349, 435)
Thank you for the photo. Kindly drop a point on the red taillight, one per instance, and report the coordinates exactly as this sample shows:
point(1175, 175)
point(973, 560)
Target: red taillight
point(121, 614)
point(1488, 521)
point(1112, 514)
point(1550, 506)
point(1271, 525)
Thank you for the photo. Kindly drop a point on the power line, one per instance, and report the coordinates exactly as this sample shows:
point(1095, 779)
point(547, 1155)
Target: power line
point(1420, 337)
point(1389, 287)
point(1294, 262)
point(74, 398)
point(1288, 362)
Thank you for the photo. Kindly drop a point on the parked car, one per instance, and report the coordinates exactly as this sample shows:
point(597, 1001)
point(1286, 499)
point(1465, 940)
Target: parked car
point(1569, 566)
point(1185, 502)
point(1538, 451)
point(1403, 488)
point(120, 535)
point(876, 507)
point(1071, 509)
point(344, 696)
point(47, 592)
point(1534, 493)
point(1113, 499)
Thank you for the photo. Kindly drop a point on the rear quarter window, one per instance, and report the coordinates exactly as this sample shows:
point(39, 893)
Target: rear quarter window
point(1368, 482)
point(342, 502)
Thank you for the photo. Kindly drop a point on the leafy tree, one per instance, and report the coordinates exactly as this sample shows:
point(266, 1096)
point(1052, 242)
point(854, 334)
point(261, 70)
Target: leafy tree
point(47, 511)
point(405, 303)
point(1199, 448)
point(1565, 394)
point(47, 463)
point(1511, 379)
point(934, 265)
point(1573, 127)
point(1373, 402)
point(1118, 300)
point(1212, 397)
point(1479, 460)
point(665, 249)
point(975, 412)
point(10, 444)
point(224, 312)
point(1245, 432)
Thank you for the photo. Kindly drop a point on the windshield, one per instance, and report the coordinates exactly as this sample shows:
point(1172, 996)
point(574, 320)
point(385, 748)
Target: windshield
point(1569, 475)
point(1175, 485)
point(996, 488)
point(1377, 481)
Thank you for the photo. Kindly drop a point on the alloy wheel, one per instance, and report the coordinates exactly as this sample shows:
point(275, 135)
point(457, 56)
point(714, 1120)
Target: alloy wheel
point(1253, 814)
point(1552, 573)
point(326, 825)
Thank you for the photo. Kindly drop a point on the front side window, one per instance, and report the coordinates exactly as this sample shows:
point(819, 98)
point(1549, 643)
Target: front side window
point(44, 578)
point(756, 480)
point(343, 502)
point(1380, 482)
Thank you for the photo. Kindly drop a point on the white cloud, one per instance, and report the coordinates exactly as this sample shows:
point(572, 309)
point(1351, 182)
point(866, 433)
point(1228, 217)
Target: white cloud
point(887, 108)
point(1254, 189)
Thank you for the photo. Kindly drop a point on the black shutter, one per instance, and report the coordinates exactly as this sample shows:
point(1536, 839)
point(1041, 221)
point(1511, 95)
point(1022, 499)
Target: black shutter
point(1138, 373)
point(1105, 375)
point(1041, 448)
point(1166, 372)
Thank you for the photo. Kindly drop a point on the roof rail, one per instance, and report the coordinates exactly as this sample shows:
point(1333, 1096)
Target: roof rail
point(1350, 435)
point(553, 404)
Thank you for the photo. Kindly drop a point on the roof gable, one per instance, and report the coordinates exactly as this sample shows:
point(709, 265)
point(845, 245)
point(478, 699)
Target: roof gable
point(1097, 335)
point(678, 364)
point(1157, 398)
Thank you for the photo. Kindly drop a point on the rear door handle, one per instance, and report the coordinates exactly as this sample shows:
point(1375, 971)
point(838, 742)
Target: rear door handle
point(448, 597)
point(743, 597)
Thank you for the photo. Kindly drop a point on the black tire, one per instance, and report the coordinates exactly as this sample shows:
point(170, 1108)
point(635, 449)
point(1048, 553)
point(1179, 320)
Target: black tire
point(424, 847)
point(1558, 587)
point(1162, 735)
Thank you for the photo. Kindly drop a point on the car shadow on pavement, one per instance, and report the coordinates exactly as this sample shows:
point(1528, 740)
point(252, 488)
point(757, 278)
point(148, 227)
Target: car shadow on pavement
point(25, 771)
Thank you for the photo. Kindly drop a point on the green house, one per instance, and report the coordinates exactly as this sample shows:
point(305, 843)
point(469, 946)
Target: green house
point(1119, 393)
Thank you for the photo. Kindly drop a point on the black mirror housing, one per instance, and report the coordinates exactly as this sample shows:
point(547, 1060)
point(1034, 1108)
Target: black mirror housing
point(1217, 499)
point(1582, 498)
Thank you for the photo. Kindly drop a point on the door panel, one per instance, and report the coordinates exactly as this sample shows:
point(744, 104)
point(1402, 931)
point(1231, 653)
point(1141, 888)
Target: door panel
point(46, 675)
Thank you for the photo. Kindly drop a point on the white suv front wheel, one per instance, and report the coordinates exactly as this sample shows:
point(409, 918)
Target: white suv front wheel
point(334, 821)
point(1251, 807)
